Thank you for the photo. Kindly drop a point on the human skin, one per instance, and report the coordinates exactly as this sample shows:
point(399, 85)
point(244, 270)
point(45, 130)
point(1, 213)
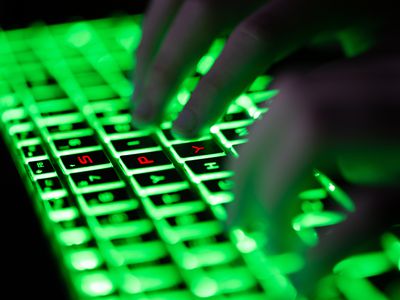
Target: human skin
point(341, 117)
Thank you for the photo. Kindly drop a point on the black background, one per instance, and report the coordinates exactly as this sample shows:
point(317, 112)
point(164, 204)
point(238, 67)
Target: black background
point(14, 14)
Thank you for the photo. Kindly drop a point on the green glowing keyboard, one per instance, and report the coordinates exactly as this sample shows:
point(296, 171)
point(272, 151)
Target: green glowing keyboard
point(137, 214)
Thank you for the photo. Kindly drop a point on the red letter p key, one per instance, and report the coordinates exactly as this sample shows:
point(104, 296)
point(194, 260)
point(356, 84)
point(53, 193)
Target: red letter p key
point(143, 160)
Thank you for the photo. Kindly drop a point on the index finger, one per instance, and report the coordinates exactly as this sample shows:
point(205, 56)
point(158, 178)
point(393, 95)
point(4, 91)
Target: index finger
point(158, 18)
point(268, 35)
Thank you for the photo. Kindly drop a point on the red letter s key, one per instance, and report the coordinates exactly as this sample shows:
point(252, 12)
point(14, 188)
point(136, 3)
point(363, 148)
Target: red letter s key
point(85, 159)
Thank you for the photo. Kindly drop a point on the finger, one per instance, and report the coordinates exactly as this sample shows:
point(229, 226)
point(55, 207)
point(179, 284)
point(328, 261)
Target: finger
point(270, 173)
point(158, 18)
point(192, 32)
point(266, 36)
point(312, 121)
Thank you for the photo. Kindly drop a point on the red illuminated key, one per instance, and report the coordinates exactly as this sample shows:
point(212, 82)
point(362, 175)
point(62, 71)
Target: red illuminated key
point(82, 160)
point(144, 160)
point(197, 148)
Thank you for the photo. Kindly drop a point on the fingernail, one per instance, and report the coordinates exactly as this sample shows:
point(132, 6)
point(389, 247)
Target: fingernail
point(187, 125)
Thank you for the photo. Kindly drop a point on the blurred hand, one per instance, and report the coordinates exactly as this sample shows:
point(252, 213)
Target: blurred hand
point(340, 118)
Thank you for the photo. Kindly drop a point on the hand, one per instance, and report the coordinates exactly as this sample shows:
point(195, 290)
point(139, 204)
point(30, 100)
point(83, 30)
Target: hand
point(343, 120)
point(177, 33)
point(338, 101)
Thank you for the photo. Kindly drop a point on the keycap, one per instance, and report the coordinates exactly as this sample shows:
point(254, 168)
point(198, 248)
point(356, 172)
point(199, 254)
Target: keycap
point(145, 160)
point(123, 224)
point(66, 127)
point(85, 259)
point(32, 151)
point(96, 283)
point(120, 217)
point(200, 148)
point(219, 185)
point(174, 198)
point(158, 178)
point(237, 116)
point(133, 143)
point(44, 93)
point(155, 277)
point(75, 142)
point(107, 196)
point(41, 167)
point(50, 184)
point(94, 177)
point(25, 135)
point(189, 219)
point(119, 128)
point(209, 165)
point(82, 160)
point(234, 134)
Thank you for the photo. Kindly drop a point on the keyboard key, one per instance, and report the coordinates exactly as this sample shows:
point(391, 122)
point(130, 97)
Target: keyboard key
point(94, 177)
point(32, 151)
point(85, 259)
point(118, 225)
point(219, 185)
point(154, 277)
point(158, 178)
point(25, 135)
point(168, 134)
point(173, 198)
point(190, 226)
point(67, 127)
point(234, 134)
point(133, 143)
point(109, 201)
point(109, 196)
point(237, 116)
point(96, 284)
point(120, 217)
point(190, 219)
point(119, 128)
point(50, 184)
point(145, 160)
point(205, 166)
point(82, 160)
point(200, 148)
point(74, 143)
point(41, 167)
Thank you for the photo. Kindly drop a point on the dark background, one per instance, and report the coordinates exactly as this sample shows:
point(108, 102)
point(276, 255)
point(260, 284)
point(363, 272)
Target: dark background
point(21, 13)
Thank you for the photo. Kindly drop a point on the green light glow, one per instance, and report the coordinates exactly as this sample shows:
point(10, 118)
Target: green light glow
point(391, 245)
point(244, 243)
point(363, 265)
point(317, 219)
point(337, 194)
point(260, 83)
point(96, 284)
point(71, 81)
point(358, 288)
point(313, 194)
point(85, 259)
point(79, 35)
point(206, 287)
point(75, 236)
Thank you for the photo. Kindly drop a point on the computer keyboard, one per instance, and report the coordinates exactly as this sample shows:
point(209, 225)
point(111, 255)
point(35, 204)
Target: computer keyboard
point(138, 214)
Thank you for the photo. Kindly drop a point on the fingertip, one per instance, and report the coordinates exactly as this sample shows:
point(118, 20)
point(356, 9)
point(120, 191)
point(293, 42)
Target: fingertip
point(186, 126)
point(143, 115)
